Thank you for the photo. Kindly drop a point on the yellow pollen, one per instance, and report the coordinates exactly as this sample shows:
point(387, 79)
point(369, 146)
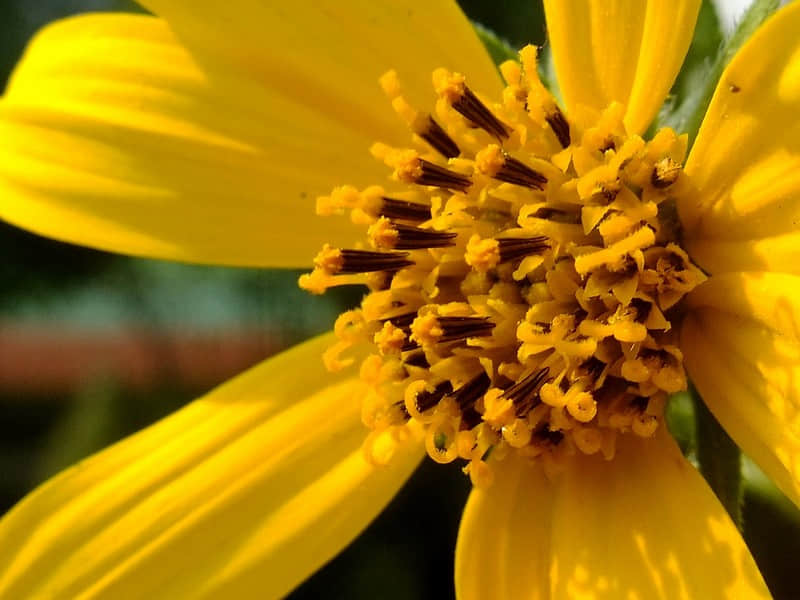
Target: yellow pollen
point(482, 255)
point(524, 278)
point(329, 260)
point(406, 164)
point(490, 160)
point(449, 85)
point(390, 339)
point(382, 234)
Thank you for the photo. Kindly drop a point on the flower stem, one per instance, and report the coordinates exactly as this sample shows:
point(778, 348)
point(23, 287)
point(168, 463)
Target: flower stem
point(719, 458)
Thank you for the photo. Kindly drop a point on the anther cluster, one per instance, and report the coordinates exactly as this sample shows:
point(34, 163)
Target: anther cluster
point(524, 277)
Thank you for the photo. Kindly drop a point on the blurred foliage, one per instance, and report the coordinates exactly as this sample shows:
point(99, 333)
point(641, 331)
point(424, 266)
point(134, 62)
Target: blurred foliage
point(411, 544)
point(695, 87)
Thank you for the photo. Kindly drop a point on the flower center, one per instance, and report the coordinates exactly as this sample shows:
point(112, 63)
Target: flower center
point(523, 273)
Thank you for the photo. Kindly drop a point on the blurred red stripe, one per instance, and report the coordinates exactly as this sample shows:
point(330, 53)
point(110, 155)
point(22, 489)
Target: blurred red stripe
point(35, 360)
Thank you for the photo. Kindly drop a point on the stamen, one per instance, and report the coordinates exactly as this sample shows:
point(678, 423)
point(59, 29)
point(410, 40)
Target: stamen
point(483, 255)
point(593, 368)
point(466, 396)
point(665, 173)
point(410, 168)
point(436, 176)
point(402, 321)
point(641, 308)
point(417, 358)
point(392, 208)
point(537, 315)
point(549, 436)
point(438, 139)
point(464, 101)
point(421, 123)
point(426, 399)
point(461, 328)
point(335, 260)
point(390, 236)
point(431, 329)
point(516, 248)
point(558, 123)
point(525, 393)
point(401, 407)
point(494, 162)
point(469, 393)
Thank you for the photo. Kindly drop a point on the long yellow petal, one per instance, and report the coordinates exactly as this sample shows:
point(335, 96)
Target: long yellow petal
point(628, 51)
point(643, 525)
point(116, 135)
point(503, 548)
point(745, 163)
point(242, 494)
point(333, 52)
point(741, 342)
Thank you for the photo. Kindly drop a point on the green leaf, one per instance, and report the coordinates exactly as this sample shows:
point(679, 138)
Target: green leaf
point(705, 47)
point(772, 531)
point(698, 80)
point(681, 422)
point(518, 21)
point(719, 459)
point(499, 49)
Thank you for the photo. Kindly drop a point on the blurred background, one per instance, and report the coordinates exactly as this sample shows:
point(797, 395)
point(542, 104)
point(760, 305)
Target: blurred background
point(95, 346)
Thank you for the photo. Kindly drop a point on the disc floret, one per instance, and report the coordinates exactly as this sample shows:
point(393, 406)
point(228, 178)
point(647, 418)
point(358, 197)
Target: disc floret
point(524, 276)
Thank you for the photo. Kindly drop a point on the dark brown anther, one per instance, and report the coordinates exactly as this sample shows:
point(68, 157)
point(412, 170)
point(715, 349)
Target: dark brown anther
point(471, 391)
point(467, 395)
point(609, 144)
point(525, 393)
point(547, 435)
point(402, 321)
point(436, 176)
point(403, 410)
point(518, 173)
point(408, 346)
point(461, 328)
point(438, 139)
point(557, 216)
point(470, 418)
point(558, 123)
point(592, 368)
point(476, 111)
point(416, 359)
point(515, 248)
point(543, 327)
point(659, 357)
point(404, 210)
point(414, 238)
point(426, 400)
point(363, 261)
point(642, 308)
point(665, 173)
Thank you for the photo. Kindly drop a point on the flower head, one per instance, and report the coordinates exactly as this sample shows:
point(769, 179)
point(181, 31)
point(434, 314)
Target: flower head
point(540, 278)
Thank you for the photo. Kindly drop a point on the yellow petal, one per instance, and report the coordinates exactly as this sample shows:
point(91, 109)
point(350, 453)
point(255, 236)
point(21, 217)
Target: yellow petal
point(242, 494)
point(503, 548)
point(333, 52)
point(741, 344)
point(114, 134)
point(628, 51)
point(643, 525)
point(745, 163)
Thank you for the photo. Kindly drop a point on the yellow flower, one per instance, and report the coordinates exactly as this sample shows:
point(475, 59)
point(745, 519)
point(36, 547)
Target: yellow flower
point(206, 135)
